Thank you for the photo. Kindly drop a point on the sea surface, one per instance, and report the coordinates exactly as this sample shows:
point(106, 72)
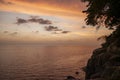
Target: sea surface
point(38, 62)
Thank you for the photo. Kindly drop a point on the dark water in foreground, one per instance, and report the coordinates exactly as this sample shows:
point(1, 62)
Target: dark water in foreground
point(35, 62)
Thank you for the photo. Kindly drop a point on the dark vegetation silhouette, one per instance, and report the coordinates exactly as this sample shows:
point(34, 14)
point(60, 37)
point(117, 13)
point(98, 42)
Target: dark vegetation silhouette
point(103, 13)
point(104, 64)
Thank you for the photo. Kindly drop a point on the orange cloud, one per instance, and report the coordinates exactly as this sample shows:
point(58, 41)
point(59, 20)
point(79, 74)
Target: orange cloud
point(69, 8)
point(68, 4)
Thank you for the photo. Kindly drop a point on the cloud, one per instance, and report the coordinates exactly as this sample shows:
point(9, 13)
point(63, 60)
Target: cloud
point(61, 8)
point(64, 32)
point(4, 2)
point(21, 21)
point(5, 32)
point(33, 19)
point(73, 4)
point(83, 27)
point(10, 3)
point(36, 31)
point(52, 28)
point(39, 20)
point(36, 19)
point(14, 33)
point(55, 30)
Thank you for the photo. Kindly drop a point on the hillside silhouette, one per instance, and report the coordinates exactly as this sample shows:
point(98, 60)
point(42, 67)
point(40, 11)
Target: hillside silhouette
point(104, 64)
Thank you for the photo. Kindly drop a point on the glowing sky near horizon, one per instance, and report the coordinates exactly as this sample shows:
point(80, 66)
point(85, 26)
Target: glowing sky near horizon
point(64, 14)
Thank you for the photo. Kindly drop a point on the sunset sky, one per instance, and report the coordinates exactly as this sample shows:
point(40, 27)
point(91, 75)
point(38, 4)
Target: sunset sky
point(46, 21)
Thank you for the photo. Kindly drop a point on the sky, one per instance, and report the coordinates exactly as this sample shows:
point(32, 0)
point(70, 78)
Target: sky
point(46, 22)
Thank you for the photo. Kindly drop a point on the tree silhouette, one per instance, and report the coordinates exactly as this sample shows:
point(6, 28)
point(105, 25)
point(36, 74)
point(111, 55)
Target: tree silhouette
point(103, 13)
point(100, 65)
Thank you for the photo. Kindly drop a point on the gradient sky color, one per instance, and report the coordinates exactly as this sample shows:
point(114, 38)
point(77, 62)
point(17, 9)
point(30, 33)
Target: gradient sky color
point(64, 14)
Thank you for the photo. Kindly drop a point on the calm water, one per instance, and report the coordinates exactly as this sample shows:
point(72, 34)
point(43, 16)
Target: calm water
point(35, 62)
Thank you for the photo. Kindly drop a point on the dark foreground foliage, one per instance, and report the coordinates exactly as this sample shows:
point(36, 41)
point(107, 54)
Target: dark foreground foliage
point(104, 64)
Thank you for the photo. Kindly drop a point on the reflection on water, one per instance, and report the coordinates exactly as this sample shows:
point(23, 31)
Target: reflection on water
point(34, 62)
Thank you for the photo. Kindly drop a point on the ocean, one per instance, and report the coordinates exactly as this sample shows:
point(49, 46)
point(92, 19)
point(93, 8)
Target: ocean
point(41, 62)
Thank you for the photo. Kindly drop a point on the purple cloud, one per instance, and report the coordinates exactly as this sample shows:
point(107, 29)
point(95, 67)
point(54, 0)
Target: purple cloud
point(33, 19)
